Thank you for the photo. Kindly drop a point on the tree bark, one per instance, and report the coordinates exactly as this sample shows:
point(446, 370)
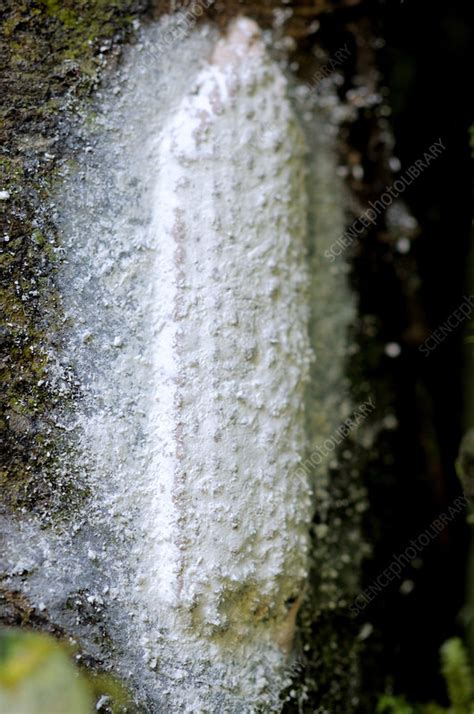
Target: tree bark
point(71, 453)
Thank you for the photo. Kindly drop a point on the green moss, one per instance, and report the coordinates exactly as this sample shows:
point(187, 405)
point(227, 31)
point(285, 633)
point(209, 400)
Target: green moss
point(53, 52)
point(459, 684)
point(458, 676)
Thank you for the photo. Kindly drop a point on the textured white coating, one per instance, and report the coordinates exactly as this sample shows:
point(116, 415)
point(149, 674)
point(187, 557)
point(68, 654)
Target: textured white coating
point(225, 521)
point(186, 287)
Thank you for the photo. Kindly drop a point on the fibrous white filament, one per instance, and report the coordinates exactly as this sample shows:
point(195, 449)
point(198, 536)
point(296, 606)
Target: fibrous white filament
point(180, 563)
point(223, 555)
point(186, 289)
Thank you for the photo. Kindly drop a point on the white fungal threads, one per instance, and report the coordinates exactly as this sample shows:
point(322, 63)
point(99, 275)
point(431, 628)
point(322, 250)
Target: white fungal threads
point(186, 292)
point(225, 520)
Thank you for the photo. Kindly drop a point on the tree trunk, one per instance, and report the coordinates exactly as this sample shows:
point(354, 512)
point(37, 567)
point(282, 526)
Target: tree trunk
point(188, 410)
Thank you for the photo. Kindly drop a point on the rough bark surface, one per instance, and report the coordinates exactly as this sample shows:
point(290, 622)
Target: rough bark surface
point(56, 57)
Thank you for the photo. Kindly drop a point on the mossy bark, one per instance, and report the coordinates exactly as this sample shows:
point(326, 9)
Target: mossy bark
point(56, 54)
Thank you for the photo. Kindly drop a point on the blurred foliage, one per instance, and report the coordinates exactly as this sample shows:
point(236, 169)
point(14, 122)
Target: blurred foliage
point(459, 680)
point(38, 676)
point(458, 676)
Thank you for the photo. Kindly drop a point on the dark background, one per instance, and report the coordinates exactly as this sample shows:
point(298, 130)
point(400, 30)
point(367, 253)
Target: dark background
point(426, 66)
point(417, 55)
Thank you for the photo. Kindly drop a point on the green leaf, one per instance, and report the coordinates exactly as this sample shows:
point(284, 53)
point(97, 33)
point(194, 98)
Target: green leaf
point(38, 676)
